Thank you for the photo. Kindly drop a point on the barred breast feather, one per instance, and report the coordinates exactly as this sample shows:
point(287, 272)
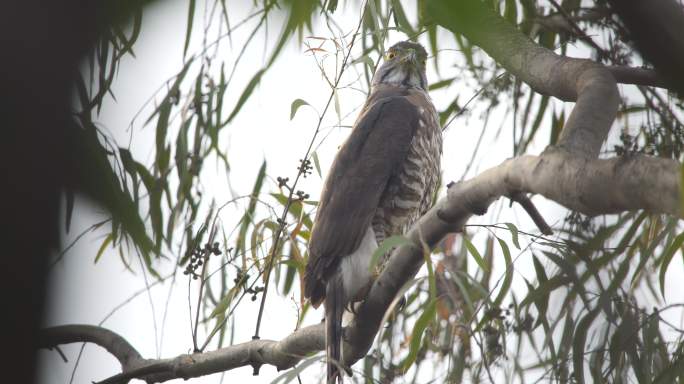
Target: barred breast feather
point(410, 191)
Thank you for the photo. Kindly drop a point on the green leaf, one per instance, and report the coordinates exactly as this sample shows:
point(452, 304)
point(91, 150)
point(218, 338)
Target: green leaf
point(476, 255)
point(511, 12)
point(417, 335)
point(104, 245)
point(188, 32)
point(338, 110)
point(545, 289)
point(676, 367)
point(156, 215)
point(145, 176)
point(365, 59)
point(542, 303)
point(681, 191)
point(295, 106)
point(160, 136)
point(385, 246)
point(173, 93)
point(537, 121)
point(224, 303)
point(441, 84)
point(557, 122)
point(245, 95)
point(508, 277)
point(317, 164)
point(667, 258)
point(99, 180)
point(290, 272)
point(294, 372)
point(249, 213)
point(514, 234)
point(400, 18)
point(69, 194)
point(296, 208)
point(579, 342)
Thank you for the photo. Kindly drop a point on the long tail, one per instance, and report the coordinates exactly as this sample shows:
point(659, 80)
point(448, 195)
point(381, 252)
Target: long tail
point(334, 308)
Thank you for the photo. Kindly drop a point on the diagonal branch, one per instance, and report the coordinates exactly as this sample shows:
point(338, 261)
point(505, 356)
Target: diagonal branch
point(112, 342)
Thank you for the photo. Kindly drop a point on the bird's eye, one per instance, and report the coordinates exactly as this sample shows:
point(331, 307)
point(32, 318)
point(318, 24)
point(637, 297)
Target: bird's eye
point(391, 55)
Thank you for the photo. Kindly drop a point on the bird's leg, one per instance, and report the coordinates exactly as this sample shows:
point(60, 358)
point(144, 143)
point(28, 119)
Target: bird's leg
point(362, 293)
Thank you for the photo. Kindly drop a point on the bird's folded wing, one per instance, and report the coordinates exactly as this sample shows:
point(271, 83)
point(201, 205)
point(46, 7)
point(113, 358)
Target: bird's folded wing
point(377, 146)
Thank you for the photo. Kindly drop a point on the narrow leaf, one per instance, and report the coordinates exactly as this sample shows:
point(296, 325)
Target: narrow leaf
point(579, 342)
point(386, 246)
point(295, 106)
point(474, 252)
point(104, 245)
point(245, 95)
point(667, 258)
point(417, 335)
point(69, 207)
point(188, 32)
point(508, 277)
point(317, 164)
point(514, 234)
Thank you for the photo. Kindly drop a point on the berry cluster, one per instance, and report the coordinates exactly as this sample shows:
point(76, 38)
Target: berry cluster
point(305, 167)
point(282, 183)
point(199, 256)
point(301, 196)
point(241, 280)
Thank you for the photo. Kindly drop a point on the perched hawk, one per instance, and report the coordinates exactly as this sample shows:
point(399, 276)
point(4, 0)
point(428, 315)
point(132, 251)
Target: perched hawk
point(380, 183)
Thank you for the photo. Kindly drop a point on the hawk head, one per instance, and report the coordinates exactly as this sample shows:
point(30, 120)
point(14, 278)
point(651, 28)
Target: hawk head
point(403, 65)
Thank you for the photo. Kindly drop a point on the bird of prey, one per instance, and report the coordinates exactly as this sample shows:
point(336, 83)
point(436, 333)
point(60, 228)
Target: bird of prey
point(380, 183)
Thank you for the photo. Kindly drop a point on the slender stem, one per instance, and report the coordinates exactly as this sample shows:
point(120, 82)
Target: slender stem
point(302, 169)
point(203, 281)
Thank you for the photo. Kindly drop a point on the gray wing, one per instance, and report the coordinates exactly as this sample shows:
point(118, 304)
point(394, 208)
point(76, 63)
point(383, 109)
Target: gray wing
point(376, 148)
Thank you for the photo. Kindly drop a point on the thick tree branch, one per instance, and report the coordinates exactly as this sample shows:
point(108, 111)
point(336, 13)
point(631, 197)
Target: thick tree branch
point(112, 342)
point(281, 354)
point(637, 76)
point(589, 186)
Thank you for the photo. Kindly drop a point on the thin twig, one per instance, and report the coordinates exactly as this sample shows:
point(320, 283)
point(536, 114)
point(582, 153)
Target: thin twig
point(203, 281)
point(531, 210)
point(292, 189)
point(473, 97)
point(580, 33)
point(149, 296)
point(80, 235)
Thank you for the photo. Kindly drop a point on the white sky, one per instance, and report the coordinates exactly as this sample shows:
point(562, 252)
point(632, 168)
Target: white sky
point(81, 292)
